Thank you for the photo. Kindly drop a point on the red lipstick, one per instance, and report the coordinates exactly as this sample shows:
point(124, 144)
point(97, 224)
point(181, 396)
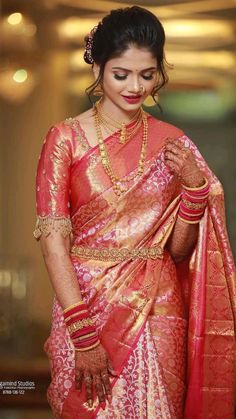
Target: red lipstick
point(132, 99)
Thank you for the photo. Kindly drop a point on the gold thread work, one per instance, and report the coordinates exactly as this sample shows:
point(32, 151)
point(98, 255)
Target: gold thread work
point(113, 254)
point(45, 225)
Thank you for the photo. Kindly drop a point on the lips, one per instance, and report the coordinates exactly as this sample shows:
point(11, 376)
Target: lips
point(132, 99)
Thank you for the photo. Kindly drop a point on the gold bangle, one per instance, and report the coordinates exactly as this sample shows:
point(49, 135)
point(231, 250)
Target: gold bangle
point(86, 336)
point(80, 324)
point(75, 314)
point(72, 306)
point(89, 347)
point(189, 222)
point(193, 205)
point(193, 215)
point(197, 188)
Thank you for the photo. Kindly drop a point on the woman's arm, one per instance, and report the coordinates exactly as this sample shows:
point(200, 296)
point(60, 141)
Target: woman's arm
point(182, 240)
point(182, 162)
point(53, 228)
point(55, 250)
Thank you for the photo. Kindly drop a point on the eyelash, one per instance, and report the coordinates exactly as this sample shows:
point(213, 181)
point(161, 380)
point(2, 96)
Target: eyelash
point(117, 77)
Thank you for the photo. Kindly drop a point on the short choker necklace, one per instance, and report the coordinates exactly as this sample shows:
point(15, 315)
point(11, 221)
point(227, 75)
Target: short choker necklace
point(111, 124)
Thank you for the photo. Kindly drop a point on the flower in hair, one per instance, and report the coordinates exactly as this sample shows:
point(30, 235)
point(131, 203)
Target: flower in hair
point(88, 46)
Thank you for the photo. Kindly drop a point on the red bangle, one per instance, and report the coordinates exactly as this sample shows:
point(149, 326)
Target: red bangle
point(193, 203)
point(80, 326)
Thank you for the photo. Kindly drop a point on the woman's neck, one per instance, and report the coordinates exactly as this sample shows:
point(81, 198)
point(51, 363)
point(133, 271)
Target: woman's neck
point(116, 112)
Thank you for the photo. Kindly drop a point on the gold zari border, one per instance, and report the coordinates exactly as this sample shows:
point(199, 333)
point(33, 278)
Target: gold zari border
point(110, 254)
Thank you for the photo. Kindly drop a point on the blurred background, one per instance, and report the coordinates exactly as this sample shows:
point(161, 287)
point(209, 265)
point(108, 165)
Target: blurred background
point(42, 81)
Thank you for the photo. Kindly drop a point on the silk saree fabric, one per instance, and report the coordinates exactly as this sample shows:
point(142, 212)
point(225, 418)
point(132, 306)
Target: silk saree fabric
point(168, 329)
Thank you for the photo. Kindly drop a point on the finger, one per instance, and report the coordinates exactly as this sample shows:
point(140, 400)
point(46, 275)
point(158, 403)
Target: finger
point(88, 381)
point(99, 388)
point(174, 158)
point(106, 384)
point(173, 167)
point(78, 380)
point(175, 142)
point(174, 148)
point(110, 368)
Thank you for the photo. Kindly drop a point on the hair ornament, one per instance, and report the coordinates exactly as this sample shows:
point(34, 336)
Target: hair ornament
point(88, 46)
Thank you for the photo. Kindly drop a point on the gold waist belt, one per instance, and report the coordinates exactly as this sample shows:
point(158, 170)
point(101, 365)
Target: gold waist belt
point(117, 254)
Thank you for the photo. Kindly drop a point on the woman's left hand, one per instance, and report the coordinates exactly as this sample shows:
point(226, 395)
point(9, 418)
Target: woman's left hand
point(182, 162)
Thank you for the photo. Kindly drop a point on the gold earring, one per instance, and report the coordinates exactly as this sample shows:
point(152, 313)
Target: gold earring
point(98, 91)
point(151, 100)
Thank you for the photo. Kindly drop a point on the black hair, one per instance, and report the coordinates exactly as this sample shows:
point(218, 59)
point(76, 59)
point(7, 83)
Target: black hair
point(120, 29)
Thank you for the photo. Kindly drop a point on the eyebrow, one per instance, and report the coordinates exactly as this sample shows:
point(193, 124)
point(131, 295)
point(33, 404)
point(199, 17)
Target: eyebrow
point(129, 71)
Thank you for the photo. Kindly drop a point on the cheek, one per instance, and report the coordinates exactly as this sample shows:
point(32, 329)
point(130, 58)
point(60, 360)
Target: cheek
point(111, 84)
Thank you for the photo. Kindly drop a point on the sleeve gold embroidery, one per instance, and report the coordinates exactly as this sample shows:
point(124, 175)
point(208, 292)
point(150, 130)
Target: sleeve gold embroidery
point(45, 225)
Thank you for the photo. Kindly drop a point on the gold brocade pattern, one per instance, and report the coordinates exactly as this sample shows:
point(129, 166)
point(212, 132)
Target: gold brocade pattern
point(108, 254)
point(46, 225)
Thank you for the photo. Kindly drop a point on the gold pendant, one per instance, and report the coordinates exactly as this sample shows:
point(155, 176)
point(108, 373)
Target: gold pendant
point(123, 134)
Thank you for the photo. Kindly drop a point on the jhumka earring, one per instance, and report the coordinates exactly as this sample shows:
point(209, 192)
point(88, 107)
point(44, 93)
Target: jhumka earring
point(98, 91)
point(152, 100)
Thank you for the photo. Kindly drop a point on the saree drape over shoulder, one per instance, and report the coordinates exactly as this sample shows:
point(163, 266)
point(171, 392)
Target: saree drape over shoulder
point(168, 329)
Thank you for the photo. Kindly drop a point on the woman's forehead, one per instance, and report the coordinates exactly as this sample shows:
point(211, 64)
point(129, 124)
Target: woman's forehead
point(134, 58)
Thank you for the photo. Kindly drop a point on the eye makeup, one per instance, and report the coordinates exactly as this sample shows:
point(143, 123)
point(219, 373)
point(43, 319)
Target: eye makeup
point(149, 76)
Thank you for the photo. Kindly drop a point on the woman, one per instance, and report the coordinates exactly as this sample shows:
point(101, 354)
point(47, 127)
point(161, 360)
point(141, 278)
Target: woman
point(131, 222)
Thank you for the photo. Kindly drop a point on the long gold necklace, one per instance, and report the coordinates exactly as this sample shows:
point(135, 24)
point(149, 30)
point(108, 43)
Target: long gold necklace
point(116, 181)
point(111, 124)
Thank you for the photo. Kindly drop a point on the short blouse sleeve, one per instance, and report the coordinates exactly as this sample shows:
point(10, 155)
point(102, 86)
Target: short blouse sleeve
point(53, 185)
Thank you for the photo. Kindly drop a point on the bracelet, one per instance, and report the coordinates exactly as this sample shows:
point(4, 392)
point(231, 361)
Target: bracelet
point(73, 306)
point(197, 188)
point(193, 203)
point(90, 347)
point(80, 326)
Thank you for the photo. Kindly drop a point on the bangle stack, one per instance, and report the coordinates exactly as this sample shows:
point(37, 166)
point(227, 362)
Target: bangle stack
point(193, 203)
point(80, 327)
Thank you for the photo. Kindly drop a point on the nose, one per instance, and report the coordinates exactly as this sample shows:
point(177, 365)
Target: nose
point(134, 86)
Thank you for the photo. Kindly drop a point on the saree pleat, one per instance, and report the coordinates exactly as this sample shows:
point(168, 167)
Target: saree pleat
point(168, 329)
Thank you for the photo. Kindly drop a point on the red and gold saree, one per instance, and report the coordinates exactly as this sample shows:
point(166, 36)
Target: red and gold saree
point(168, 329)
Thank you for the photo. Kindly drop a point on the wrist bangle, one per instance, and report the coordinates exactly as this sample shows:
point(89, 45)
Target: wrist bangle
point(80, 326)
point(197, 188)
point(73, 306)
point(89, 347)
point(193, 203)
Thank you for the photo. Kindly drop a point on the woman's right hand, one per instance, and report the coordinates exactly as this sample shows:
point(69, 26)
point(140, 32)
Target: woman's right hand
point(93, 367)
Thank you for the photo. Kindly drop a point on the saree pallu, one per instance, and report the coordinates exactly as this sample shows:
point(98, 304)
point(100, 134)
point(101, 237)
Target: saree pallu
point(168, 329)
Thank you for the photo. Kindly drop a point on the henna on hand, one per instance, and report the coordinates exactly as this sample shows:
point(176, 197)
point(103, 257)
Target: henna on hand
point(182, 162)
point(93, 367)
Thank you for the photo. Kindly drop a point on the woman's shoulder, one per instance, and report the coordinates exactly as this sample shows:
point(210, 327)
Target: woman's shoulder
point(164, 128)
point(71, 121)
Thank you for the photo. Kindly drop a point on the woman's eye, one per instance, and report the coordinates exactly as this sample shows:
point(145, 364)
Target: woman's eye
point(120, 76)
point(148, 77)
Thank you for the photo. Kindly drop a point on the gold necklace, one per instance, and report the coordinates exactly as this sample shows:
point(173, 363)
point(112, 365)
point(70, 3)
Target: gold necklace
point(128, 134)
point(121, 126)
point(116, 182)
